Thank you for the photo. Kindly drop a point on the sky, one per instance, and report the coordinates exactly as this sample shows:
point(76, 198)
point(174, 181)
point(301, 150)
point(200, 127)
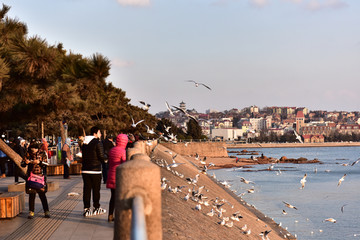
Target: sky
point(294, 53)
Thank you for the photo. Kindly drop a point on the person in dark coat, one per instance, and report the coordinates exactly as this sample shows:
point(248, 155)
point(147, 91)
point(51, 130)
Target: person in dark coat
point(117, 155)
point(35, 161)
point(92, 158)
point(20, 149)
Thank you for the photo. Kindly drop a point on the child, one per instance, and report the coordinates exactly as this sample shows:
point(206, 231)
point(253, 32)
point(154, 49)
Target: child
point(35, 160)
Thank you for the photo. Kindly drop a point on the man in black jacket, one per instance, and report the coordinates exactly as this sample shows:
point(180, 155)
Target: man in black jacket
point(92, 158)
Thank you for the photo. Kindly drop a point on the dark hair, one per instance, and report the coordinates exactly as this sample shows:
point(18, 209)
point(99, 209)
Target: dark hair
point(94, 130)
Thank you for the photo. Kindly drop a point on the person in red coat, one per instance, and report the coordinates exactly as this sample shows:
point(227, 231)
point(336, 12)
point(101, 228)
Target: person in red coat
point(117, 156)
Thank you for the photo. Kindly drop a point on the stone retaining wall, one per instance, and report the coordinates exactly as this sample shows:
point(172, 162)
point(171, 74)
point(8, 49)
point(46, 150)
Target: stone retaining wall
point(209, 149)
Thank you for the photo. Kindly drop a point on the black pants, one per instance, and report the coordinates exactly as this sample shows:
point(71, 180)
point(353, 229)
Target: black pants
point(92, 183)
point(112, 202)
point(2, 165)
point(104, 171)
point(43, 199)
point(66, 171)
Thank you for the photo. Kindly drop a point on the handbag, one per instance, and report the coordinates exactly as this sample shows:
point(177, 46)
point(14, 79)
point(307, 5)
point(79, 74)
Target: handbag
point(36, 181)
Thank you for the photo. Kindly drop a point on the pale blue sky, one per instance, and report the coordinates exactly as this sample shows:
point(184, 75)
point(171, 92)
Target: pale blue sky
point(301, 53)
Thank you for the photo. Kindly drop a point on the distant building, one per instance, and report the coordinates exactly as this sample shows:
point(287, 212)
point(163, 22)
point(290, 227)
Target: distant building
point(183, 106)
point(300, 121)
point(313, 138)
point(349, 129)
point(226, 133)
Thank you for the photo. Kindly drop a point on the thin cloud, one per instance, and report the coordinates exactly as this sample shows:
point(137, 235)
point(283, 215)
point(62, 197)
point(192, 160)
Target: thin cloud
point(121, 63)
point(317, 5)
point(135, 3)
point(259, 3)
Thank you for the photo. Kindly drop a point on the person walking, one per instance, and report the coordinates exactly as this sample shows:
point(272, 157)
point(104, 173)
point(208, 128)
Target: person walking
point(66, 157)
point(92, 158)
point(117, 156)
point(36, 179)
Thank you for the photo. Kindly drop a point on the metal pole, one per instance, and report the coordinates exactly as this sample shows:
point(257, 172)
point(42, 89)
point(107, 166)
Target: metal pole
point(138, 224)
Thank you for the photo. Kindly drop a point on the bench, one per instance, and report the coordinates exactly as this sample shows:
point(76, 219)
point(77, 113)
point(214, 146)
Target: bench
point(55, 169)
point(11, 204)
point(20, 187)
point(75, 168)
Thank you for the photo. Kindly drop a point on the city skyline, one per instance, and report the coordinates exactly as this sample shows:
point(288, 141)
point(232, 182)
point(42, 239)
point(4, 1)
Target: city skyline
point(249, 52)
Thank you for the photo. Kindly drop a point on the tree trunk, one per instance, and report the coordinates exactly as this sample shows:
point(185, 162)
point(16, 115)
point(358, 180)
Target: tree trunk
point(62, 133)
point(14, 157)
point(84, 133)
point(42, 129)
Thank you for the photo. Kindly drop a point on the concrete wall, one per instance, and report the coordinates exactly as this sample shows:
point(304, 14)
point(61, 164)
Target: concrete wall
point(209, 149)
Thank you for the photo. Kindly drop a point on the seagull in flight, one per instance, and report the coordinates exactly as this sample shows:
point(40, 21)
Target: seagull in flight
point(289, 205)
point(355, 162)
point(150, 131)
point(145, 106)
point(197, 84)
point(245, 181)
point(186, 113)
point(330, 220)
point(135, 124)
point(303, 181)
point(341, 179)
point(168, 108)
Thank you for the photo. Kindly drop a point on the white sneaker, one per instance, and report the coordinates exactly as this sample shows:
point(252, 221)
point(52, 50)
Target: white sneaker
point(87, 212)
point(99, 211)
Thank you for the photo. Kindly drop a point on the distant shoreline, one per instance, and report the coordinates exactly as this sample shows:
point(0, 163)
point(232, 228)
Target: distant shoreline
point(291, 145)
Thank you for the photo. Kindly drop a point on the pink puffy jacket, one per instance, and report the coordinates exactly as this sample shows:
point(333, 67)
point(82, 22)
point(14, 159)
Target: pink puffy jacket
point(117, 155)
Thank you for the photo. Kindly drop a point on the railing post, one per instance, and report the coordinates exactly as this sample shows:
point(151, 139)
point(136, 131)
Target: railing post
point(138, 177)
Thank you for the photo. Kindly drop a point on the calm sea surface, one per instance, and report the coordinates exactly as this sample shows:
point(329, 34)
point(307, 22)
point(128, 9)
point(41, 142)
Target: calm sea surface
point(320, 199)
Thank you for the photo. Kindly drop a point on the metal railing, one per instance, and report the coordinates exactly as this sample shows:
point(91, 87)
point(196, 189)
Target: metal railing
point(138, 224)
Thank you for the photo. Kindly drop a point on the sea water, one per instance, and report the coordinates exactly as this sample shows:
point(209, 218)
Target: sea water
point(321, 198)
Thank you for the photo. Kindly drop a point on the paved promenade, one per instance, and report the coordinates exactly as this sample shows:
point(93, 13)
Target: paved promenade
point(66, 220)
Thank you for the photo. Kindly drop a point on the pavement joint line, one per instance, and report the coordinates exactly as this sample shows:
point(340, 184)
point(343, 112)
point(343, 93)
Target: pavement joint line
point(60, 208)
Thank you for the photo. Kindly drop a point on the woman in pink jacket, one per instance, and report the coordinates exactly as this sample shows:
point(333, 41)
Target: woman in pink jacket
point(117, 155)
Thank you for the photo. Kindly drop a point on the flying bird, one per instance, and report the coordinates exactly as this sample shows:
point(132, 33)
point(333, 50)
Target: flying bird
point(169, 109)
point(135, 124)
point(245, 181)
point(342, 208)
point(186, 113)
point(330, 220)
point(303, 181)
point(145, 106)
point(289, 205)
point(148, 130)
point(197, 84)
point(355, 162)
point(341, 179)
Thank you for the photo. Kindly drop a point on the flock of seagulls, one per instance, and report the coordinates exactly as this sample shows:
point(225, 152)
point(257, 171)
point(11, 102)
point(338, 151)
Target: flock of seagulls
point(191, 191)
point(303, 180)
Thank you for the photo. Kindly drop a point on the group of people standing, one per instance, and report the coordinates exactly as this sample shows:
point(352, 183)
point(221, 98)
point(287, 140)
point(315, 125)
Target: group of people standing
point(99, 161)
point(94, 156)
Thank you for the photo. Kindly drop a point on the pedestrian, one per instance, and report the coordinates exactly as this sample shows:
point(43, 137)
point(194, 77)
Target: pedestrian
point(131, 141)
point(117, 156)
point(66, 157)
point(108, 144)
point(3, 158)
point(21, 150)
point(36, 179)
point(92, 158)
